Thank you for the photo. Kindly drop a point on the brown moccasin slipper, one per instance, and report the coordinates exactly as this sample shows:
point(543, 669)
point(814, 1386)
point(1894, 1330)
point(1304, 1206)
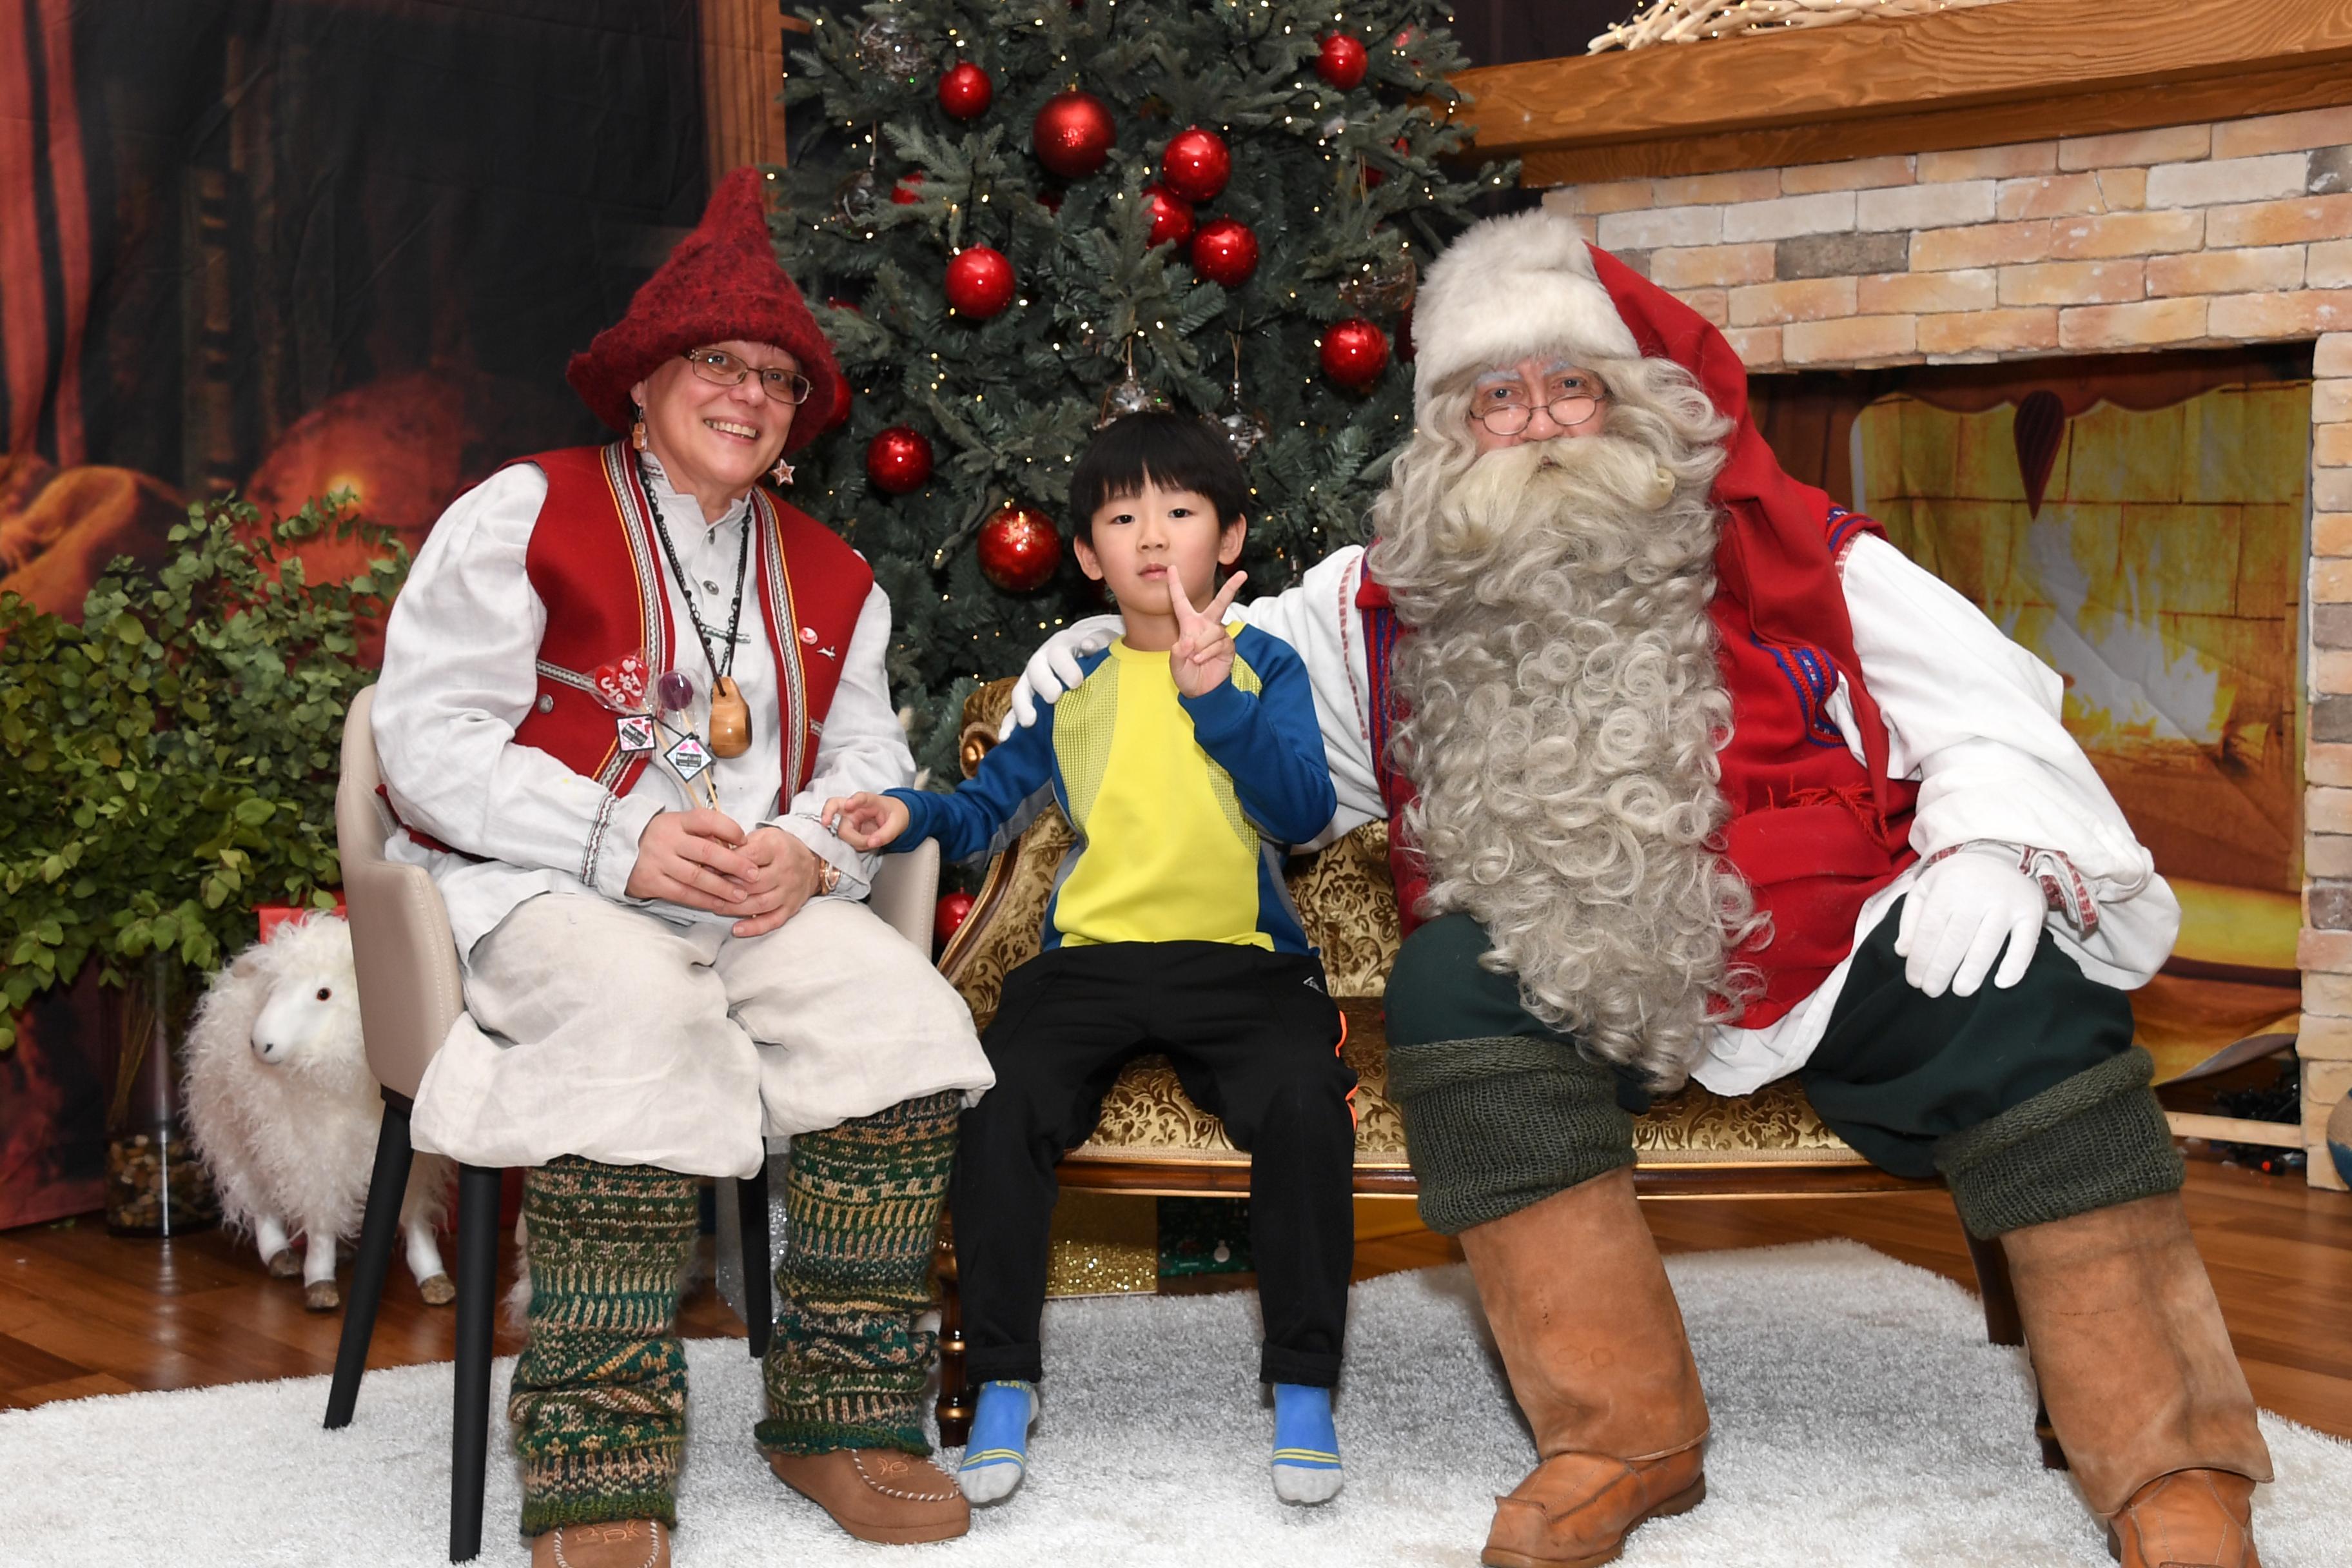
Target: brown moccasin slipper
point(621, 1544)
point(878, 1494)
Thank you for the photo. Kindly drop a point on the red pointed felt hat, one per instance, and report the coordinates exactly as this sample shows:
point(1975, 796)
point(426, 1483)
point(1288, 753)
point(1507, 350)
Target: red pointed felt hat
point(721, 284)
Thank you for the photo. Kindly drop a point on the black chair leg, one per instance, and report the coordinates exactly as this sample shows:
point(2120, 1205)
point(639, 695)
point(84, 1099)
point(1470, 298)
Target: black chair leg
point(758, 1306)
point(477, 1292)
point(378, 1231)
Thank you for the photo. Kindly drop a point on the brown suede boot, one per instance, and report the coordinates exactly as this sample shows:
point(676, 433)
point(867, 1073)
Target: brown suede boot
point(1593, 1341)
point(621, 1544)
point(878, 1494)
point(2143, 1389)
point(2195, 1518)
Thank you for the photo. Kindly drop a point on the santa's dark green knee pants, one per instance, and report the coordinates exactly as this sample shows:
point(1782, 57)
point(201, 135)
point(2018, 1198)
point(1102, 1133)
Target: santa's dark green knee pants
point(2030, 1100)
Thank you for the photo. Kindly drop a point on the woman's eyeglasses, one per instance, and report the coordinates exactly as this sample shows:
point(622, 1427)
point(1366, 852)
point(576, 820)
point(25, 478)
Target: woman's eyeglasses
point(718, 366)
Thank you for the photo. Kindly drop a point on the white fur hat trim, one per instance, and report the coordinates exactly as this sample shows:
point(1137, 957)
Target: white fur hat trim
point(1508, 288)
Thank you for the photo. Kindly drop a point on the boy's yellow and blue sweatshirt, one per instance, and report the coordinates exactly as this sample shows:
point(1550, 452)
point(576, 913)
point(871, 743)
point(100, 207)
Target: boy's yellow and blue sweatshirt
point(1184, 807)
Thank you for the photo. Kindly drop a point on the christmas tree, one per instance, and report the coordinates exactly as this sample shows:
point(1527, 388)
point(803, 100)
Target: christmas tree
point(1019, 218)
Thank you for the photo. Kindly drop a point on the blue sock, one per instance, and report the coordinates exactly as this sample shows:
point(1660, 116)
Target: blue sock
point(996, 1456)
point(1305, 1444)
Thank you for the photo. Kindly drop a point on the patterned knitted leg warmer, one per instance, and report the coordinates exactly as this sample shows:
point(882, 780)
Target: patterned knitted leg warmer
point(847, 1367)
point(599, 1399)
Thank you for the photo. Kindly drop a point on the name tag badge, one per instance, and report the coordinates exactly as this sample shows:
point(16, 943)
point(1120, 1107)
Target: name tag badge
point(636, 732)
point(688, 757)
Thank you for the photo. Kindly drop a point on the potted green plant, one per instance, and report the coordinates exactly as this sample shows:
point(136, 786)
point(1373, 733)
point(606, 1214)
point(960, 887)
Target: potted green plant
point(166, 765)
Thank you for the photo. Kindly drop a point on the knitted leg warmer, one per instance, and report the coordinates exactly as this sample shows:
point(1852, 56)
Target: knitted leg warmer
point(847, 1367)
point(598, 1404)
point(1494, 1125)
point(2086, 1142)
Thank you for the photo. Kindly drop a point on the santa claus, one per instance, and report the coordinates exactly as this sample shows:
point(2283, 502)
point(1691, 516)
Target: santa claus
point(1690, 773)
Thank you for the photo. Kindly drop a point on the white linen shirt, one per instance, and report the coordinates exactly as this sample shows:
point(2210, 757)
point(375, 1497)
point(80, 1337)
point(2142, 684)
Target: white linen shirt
point(460, 674)
point(1970, 715)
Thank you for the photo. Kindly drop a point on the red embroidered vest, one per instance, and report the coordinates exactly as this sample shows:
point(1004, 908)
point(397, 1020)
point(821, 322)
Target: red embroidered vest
point(595, 562)
point(1805, 830)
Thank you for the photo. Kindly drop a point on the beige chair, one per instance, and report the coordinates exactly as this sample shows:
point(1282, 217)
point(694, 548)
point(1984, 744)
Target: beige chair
point(409, 997)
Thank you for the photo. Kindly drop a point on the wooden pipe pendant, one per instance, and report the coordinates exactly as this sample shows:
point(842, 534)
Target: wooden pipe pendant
point(730, 719)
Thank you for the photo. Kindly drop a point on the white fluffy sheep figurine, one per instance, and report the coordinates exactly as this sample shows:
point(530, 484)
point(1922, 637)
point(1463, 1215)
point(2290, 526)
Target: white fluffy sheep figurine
point(284, 1111)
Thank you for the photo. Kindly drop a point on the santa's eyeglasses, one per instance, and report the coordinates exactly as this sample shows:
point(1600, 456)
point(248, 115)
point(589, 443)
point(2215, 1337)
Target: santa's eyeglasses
point(1505, 411)
point(717, 365)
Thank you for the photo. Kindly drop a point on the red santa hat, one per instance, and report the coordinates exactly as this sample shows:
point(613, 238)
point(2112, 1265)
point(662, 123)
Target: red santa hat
point(721, 284)
point(1509, 288)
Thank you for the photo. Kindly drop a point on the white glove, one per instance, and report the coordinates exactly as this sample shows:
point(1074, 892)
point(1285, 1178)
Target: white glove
point(1959, 915)
point(1053, 669)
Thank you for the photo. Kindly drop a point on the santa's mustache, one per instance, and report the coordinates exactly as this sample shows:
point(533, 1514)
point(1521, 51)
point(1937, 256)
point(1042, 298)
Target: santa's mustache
point(1587, 500)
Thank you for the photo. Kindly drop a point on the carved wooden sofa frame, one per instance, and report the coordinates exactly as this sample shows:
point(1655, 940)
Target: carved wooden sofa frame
point(1152, 1141)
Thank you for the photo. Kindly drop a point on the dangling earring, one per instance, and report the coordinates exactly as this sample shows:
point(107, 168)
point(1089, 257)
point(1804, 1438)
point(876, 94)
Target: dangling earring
point(637, 431)
point(782, 473)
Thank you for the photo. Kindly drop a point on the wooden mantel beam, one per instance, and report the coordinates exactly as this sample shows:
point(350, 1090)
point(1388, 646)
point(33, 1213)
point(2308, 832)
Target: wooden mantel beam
point(2022, 70)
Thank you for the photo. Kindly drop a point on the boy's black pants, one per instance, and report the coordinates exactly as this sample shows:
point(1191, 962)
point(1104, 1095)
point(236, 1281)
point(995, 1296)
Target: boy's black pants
point(1255, 1040)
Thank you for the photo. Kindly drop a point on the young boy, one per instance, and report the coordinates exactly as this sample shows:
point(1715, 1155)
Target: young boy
point(1187, 761)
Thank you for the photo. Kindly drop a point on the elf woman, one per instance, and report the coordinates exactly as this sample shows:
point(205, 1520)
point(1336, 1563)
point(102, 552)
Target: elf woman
point(618, 684)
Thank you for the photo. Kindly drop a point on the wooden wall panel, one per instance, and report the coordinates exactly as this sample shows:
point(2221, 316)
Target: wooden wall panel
point(2020, 71)
point(743, 81)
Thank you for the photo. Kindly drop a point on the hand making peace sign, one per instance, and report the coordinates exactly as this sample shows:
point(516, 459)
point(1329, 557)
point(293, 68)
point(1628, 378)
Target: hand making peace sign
point(1203, 654)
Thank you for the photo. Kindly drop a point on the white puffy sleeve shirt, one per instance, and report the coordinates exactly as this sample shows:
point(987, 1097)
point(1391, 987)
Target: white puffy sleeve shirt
point(1974, 718)
point(1970, 715)
point(460, 674)
point(1319, 618)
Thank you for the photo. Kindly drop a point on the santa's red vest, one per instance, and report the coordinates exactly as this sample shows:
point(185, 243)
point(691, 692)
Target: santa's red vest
point(1806, 830)
point(595, 562)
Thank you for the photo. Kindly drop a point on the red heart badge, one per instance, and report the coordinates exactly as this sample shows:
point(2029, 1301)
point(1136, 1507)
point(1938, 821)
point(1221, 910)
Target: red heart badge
point(621, 685)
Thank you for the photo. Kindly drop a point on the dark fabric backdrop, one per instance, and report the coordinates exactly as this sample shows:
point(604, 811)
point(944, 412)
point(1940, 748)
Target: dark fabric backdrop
point(274, 245)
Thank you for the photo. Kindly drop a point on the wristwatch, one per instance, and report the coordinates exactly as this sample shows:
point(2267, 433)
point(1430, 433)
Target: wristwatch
point(828, 877)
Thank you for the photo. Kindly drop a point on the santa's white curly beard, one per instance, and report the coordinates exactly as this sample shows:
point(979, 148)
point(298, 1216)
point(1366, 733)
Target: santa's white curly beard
point(1559, 707)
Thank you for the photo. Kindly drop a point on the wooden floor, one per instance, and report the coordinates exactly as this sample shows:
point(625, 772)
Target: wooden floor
point(82, 1312)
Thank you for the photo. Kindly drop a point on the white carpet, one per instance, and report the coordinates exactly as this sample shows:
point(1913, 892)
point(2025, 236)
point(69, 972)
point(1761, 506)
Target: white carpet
point(1860, 1419)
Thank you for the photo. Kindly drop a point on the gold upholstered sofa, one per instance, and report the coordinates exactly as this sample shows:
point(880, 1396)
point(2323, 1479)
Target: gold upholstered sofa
point(1153, 1140)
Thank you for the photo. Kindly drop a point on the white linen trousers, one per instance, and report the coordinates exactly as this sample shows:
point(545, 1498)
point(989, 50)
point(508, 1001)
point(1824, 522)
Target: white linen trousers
point(598, 1030)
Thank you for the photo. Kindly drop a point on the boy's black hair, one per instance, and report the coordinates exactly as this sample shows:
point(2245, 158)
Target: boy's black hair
point(1174, 451)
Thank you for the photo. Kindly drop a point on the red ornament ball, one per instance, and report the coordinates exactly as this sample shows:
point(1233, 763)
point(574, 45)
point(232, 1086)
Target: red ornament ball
point(1341, 61)
point(1355, 351)
point(899, 459)
point(1073, 134)
point(966, 91)
point(949, 915)
point(1171, 216)
point(1019, 549)
point(1225, 252)
point(1196, 164)
point(978, 281)
point(906, 191)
